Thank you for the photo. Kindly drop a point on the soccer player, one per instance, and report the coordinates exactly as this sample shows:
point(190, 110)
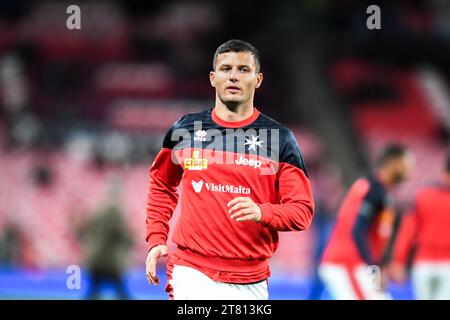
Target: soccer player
point(424, 230)
point(243, 180)
point(361, 241)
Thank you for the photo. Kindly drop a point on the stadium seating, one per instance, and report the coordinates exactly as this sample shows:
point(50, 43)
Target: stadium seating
point(123, 76)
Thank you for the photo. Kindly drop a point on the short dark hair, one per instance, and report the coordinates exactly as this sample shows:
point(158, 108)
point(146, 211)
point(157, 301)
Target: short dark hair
point(235, 45)
point(390, 152)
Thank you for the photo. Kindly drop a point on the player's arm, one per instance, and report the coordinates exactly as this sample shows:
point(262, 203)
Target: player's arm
point(162, 198)
point(296, 206)
point(404, 244)
point(369, 208)
point(388, 252)
point(405, 240)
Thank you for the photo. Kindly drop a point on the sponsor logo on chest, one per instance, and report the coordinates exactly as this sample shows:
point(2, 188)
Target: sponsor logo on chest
point(223, 188)
point(248, 162)
point(195, 163)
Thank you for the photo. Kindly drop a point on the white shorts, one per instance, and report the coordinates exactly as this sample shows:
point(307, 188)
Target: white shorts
point(356, 283)
point(431, 280)
point(190, 284)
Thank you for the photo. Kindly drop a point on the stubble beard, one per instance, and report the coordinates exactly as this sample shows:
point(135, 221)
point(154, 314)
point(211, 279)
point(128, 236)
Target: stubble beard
point(232, 105)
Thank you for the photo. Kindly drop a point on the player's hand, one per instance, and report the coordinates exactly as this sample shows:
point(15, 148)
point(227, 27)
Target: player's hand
point(244, 209)
point(150, 262)
point(397, 272)
point(384, 279)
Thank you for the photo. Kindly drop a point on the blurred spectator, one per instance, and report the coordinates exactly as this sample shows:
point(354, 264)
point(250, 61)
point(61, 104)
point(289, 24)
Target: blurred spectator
point(12, 80)
point(42, 177)
point(107, 241)
point(10, 245)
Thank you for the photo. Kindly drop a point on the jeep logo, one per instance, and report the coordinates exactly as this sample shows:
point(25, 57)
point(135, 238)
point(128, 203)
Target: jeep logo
point(246, 162)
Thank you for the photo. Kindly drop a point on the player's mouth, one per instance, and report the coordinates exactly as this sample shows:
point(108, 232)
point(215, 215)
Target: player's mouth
point(233, 89)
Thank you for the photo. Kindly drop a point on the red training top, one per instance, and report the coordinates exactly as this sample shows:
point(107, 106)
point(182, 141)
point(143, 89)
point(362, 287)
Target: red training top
point(426, 227)
point(216, 161)
point(367, 206)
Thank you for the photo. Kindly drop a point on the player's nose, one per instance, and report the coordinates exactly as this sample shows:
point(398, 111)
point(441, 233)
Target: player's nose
point(234, 75)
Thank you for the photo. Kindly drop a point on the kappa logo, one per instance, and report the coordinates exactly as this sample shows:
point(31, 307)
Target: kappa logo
point(200, 135)
point(213, 187)
point(195, 163)
point(248, 162)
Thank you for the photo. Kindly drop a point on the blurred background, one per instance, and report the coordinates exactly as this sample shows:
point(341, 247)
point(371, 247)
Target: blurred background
point(83, 114)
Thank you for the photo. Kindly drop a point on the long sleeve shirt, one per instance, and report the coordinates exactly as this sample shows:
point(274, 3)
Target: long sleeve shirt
point(216, 161)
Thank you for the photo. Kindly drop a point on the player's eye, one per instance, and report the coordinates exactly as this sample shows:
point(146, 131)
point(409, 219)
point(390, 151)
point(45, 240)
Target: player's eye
point(244, 69)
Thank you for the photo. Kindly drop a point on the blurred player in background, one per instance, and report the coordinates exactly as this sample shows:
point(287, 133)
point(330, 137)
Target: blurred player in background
point(362, 239)
point(425, 230)
point(107, 241)
point(230, 212)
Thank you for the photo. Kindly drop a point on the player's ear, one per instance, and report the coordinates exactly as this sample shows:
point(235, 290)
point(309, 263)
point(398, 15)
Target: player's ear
point(259, 79)
point(212, 79)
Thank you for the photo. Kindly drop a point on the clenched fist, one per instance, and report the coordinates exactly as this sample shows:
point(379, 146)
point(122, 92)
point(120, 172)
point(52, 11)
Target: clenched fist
point(244, 209)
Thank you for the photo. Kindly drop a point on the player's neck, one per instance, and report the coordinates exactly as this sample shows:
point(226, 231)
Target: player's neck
point(241, 112)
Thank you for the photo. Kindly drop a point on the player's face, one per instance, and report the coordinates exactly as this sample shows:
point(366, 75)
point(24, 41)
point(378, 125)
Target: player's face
point(235, 78)
point(402, 168)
